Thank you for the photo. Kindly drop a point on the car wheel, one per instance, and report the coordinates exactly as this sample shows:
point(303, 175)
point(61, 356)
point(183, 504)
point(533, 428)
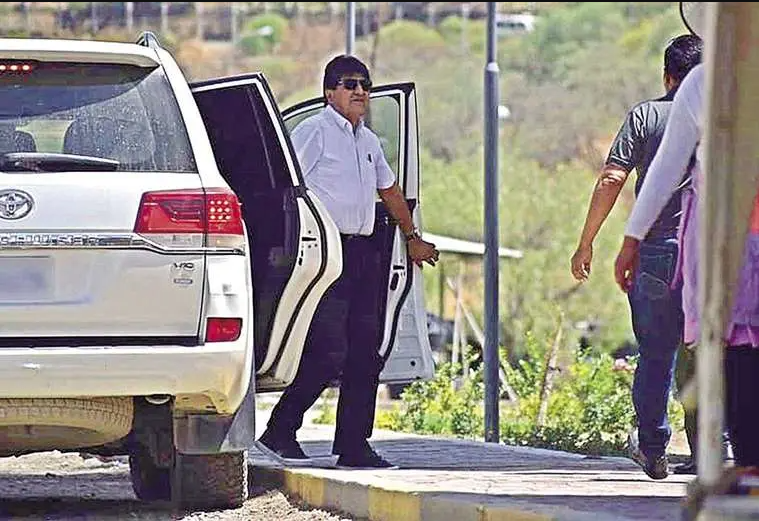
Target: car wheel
point(149, 481)
point(210, 481)
point(42, 424)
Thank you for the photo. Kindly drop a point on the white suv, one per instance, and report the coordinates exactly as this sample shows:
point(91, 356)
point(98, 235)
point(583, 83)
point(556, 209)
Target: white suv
point(161, 260)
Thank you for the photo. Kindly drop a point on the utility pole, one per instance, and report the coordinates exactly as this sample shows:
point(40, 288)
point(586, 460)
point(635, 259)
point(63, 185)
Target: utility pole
point(164, 18)
point(199, 13)
point(464, 26)
point(490, 353)
point(129, 16)
point(234, 29)
point(350, 28)
point(28, 16)
point(94, 17)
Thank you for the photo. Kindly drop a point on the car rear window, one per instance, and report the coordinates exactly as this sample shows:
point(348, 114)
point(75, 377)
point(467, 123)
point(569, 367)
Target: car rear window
point(111, 111)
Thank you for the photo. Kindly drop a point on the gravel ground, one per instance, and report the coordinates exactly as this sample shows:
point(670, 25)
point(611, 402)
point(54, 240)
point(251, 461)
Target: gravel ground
point(53, 486)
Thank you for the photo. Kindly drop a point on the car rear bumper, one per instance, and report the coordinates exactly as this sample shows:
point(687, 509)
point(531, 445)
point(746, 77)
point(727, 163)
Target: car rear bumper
point(219, 371)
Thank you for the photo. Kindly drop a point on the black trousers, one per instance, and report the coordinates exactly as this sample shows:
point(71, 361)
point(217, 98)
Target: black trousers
point(742, 387)
point(342, 343)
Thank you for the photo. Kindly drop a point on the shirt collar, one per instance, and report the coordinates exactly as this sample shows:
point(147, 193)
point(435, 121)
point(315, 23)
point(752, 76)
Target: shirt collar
point(340, 121)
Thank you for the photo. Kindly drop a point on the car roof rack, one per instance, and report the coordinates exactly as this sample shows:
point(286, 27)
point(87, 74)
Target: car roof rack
point(148, 39)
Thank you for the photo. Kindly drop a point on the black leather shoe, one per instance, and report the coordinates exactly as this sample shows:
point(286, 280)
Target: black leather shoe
point(366, 459)
point(689, 467)
point(282, 449)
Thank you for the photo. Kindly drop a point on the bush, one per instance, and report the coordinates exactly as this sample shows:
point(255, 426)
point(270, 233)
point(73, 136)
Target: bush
point(437, 407)
point(475, 33)
point(262, 33)
point(409, 35)
point(589, 411)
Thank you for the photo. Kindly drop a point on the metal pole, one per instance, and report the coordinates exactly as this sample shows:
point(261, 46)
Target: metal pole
point(490, 353)
point(94, 16)
point(350, 28)
point(129, 17)
point(234, 25)
point(199, 14)
point(464, 26)
point(164, 19)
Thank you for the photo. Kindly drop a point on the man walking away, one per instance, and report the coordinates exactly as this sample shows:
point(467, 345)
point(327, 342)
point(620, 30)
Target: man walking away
point(655, 306)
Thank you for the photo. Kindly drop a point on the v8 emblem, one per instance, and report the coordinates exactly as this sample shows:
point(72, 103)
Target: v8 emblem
point(184, 266)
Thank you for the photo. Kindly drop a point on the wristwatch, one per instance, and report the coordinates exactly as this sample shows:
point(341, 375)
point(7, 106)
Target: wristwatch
point(413, 235)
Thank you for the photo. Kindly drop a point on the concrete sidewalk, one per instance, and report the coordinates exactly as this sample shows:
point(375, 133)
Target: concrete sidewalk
point(444, 479)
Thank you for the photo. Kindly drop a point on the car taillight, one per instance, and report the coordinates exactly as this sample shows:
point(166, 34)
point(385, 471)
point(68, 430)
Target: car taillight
point(223, 329)
point(187, 218)
point(16, 67)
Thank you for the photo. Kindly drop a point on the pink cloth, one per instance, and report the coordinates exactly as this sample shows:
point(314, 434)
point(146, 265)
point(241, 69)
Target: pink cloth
point(743, 328)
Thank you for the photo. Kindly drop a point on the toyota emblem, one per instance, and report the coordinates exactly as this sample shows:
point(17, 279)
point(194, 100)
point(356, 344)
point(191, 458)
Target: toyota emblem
point(15, 204)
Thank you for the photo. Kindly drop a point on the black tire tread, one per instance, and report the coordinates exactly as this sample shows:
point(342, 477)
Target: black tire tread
point(211, 481)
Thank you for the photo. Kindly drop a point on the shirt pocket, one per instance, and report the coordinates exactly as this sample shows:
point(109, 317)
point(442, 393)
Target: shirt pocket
point(368, 161)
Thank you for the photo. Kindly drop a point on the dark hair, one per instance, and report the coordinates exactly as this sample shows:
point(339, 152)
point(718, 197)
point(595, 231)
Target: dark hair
point(682, 54)
point(340, 66)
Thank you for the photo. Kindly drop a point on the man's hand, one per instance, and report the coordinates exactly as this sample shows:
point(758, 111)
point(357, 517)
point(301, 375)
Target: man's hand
point(422, 251)
point(626, 263)
point(581, 262)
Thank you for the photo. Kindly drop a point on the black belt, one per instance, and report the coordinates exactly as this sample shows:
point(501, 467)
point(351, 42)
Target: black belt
point(353, 236)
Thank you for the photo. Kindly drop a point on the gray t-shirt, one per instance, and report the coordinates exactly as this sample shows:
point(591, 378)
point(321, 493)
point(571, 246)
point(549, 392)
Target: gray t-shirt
point(635, 147)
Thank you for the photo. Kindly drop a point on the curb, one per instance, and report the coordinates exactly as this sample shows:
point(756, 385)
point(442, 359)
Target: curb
point(394, 504)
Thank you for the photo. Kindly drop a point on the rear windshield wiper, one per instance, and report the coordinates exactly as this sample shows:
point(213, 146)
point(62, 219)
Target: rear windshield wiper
point(51, 162)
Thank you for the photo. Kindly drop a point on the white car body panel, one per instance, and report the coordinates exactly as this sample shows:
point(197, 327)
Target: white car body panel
point(110, 285)
point(77, 50)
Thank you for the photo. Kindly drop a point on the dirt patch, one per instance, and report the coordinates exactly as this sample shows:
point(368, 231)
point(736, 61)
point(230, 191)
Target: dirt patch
point(55, 486)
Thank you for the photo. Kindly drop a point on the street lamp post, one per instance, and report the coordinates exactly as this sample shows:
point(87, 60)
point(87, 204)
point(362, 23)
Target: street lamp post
point(490, 349)
point(350, 27)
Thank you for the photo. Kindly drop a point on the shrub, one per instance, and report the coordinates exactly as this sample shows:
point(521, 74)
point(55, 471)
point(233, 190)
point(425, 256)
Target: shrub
point(409, 35)
point(589, 411)
point(262, 33)
point(438, 407)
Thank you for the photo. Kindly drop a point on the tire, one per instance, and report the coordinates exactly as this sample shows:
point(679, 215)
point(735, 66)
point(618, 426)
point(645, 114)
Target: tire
point(210, 481)
point(149, 481)
point(41, 424)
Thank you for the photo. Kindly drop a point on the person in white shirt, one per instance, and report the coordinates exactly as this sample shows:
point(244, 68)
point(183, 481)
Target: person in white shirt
point(681, 140)
point(344, 166)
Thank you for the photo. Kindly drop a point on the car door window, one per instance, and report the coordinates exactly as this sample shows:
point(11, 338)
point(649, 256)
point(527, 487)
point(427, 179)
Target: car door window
point(382, 118)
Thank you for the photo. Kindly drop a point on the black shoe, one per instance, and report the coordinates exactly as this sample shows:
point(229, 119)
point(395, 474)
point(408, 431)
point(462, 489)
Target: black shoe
point(656, 468)
point(365, 459)
point(285, 450)
point(688, 467)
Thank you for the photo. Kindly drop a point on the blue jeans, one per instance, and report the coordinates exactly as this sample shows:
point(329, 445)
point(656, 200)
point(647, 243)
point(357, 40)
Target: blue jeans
point(657, 319)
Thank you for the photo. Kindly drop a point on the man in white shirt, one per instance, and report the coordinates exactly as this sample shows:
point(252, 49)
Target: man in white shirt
point(344, 166)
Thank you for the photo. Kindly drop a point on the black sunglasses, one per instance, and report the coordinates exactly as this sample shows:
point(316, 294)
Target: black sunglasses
point(353, 83)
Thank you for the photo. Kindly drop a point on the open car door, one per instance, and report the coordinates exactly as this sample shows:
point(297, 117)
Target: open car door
point(405, 343)
point(295, 249)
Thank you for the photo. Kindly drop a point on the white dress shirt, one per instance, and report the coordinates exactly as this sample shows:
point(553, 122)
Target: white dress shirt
point(343, 169)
